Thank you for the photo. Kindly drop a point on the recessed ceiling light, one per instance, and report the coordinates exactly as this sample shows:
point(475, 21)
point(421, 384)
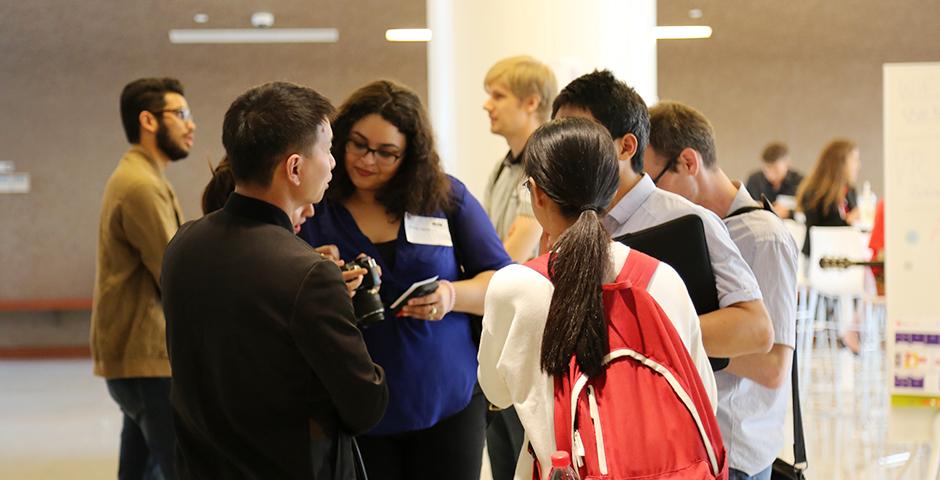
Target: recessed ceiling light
point(408, 35)
point(695, 13)
point(201, 18)
point(683, 32)
point(254, 35)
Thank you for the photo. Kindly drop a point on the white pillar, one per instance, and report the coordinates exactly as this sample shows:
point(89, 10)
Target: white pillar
point(572, 37)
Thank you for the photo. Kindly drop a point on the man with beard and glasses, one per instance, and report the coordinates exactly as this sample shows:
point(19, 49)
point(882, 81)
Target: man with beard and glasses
point(139, 215)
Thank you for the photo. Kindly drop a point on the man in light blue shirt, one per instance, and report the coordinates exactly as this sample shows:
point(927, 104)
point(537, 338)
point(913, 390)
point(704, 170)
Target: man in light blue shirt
point(741, 326)
point(754, 389)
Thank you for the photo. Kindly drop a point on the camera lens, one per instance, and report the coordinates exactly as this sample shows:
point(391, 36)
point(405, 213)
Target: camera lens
point(366, 302)
point(368, 306)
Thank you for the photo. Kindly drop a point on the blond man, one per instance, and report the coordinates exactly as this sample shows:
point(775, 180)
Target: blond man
point(520, 93)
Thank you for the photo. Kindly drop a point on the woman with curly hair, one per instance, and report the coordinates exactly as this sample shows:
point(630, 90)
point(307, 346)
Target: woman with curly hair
point(390, 199)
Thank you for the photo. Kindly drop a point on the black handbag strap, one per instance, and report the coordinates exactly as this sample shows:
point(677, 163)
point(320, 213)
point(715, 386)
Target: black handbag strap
point(764, 205)
point(799, 443)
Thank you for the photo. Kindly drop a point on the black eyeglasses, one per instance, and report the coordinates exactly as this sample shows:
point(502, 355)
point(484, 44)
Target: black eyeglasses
point(525, 185)
point(359, 148)
point(669, 166)
point(182, 113)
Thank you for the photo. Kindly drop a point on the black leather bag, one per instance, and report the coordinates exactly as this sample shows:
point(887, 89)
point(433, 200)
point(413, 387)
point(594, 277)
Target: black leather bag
point(783, 470)
point(681, 243)
point(337, 458)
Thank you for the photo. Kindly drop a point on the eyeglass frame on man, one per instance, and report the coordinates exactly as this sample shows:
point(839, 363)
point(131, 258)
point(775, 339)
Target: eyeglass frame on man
point(669, 165)
point(182, 113)
point(361, 149)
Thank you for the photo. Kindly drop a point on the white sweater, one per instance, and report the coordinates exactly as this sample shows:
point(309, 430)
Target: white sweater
point(516, 308)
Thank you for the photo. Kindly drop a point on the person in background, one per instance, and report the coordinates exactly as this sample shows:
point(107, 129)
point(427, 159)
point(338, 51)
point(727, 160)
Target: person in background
point(754, 390)
point(271, 377)
point(741, 325)
point(139, 215)
point(220, 187)
point(521, 90)
point(827, 196)
point(532, 326)
point(877, 245)
point(391, 200)
point(775, 180)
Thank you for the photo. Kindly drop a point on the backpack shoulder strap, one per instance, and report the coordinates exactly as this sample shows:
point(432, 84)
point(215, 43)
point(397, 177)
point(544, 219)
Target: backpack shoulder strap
point(539, 264)
point(638, 270)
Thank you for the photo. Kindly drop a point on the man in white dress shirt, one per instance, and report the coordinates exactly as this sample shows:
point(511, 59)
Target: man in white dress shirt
point(754, 389)
point(741, 326)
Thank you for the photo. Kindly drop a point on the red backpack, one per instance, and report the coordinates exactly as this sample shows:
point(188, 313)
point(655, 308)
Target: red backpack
point(648, 415)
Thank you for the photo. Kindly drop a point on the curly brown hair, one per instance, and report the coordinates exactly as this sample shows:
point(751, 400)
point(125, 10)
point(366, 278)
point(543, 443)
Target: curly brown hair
point(420, 185)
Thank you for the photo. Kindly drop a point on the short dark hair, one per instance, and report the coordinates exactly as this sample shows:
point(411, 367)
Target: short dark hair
point(267, 122)
point(613, 104)
point(774, 151)
point(420, 184)
point(675, 126)
point(144, 94)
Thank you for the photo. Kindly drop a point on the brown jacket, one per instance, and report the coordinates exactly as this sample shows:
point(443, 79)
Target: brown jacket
point(139, 215)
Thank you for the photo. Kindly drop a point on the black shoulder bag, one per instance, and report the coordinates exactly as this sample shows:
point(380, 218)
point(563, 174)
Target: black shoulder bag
point(782, 470)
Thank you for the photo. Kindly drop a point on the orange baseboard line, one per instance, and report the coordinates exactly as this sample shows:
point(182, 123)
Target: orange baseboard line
point(45, 305)
point(45, 352)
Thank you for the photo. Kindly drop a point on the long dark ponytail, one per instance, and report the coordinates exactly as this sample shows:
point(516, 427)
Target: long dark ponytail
point(574, 162)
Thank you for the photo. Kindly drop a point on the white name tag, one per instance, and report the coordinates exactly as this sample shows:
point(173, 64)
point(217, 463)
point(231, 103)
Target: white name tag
point(427, 230)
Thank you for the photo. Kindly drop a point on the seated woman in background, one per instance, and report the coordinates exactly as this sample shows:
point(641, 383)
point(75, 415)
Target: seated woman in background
point(390, 199)
point(827, 196)
point(532, 327)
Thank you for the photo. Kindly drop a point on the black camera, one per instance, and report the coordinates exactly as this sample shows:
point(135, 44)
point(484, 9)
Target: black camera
point(366, 301)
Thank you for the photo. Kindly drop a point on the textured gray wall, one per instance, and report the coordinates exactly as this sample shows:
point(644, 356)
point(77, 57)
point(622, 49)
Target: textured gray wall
point(802, 72)
point(62, 67)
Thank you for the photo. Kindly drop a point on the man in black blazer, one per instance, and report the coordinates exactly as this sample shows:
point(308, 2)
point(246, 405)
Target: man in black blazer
point(270, 374)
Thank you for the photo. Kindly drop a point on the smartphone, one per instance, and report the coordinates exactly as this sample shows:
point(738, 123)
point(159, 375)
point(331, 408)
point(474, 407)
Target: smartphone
point(414, 292)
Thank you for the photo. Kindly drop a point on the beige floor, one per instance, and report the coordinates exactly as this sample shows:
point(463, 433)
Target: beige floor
point(58, 422)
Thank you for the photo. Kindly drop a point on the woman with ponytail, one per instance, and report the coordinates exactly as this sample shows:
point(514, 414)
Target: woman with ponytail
point(532, 327)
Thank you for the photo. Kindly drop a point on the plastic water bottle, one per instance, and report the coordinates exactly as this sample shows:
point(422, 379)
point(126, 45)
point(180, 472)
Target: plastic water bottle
point(561, 467)
point(866, 207)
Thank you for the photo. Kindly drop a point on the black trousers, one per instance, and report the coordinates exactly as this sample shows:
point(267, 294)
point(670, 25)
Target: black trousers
point(148, 441)
point(451, 449)
point(504, 439)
